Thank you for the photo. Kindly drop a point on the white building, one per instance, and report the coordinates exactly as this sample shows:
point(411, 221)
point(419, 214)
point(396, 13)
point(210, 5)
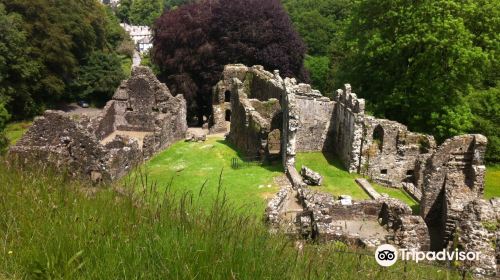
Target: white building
point(144, 44)
point(113, 3)
point(141, 35)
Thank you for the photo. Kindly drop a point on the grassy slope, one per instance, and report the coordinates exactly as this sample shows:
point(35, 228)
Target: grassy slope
point(189, 165)
point(338, 181)
point(15, 131)
point(51, 230)
point(492, 185)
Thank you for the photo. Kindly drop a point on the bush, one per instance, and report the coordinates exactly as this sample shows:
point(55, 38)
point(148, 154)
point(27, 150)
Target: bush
point(126, 48)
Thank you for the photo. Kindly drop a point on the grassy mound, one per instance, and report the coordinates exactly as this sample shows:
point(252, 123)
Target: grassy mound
point(53, 228)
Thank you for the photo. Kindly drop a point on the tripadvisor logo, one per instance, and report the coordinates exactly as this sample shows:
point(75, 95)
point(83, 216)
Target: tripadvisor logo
point(387, 255)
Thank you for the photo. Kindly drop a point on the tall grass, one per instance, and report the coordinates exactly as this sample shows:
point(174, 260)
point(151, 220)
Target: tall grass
point(55, 228)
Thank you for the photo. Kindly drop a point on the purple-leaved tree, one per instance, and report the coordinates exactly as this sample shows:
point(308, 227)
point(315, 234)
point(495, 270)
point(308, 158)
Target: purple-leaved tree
point(194, 42)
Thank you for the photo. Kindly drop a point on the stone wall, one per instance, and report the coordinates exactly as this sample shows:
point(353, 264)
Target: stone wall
point(68, 143)
point(291, 123)
point(315, 123)
point(141, 119)
point(256, 113)
point(348, 118)
point(379, 221)
point(391, 154)
point(477, 231)
point(411, 232)
point(263, 85)
point(454, 176)
point(274, 208)
point(221, 98)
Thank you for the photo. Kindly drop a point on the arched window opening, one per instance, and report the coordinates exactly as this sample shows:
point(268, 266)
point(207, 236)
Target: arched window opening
point(274, 142)
point(227, 96)
point(228, 115)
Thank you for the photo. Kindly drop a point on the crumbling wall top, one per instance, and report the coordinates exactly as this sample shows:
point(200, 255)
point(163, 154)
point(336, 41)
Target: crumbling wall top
point(350, 100)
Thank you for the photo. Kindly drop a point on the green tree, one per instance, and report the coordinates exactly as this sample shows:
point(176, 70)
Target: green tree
point(173, 4)
point(321, 24)
point(115, 34)
point(319, 70)
point(19, 73)
point(44, 43)
point(416, 61)
point(485, 108)
point(123, 10)
point(145, 12)
point(98, 79)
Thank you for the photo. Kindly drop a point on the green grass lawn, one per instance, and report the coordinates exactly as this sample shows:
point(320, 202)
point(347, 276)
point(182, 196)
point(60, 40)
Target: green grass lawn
point(188, 165)
point(338, 181)
point(15, 131)
point(492, 184)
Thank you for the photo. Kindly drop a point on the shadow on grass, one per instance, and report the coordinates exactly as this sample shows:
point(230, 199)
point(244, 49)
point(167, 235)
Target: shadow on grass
point(335, 161)
point(273, 165)
point(415, 209)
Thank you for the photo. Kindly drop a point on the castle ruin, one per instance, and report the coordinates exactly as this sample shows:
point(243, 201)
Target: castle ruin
point(141, 119)
point(268, 117)
point(271, 116)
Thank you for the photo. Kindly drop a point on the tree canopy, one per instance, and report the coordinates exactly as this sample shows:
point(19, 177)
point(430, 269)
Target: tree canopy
point(417, 61)
point(195, 41)
point(321, 23)
point(43, 46)
point(145, 12)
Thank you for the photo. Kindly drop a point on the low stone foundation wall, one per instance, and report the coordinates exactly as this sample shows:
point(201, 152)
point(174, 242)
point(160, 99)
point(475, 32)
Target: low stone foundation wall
point(274, 208)
point(367, 223)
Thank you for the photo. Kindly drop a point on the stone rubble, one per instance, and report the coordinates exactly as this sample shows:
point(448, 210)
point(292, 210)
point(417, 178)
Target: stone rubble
point(311, 177)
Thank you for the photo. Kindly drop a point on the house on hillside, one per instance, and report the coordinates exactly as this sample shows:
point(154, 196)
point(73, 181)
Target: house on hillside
point(144, 44)
point(141, 35)
point(113, 3)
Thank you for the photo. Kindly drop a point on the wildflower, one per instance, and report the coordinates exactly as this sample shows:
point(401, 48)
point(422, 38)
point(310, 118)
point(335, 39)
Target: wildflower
point(10, 252)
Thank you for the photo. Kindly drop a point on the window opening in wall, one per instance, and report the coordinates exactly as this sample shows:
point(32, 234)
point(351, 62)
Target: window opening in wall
point(378, 137)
